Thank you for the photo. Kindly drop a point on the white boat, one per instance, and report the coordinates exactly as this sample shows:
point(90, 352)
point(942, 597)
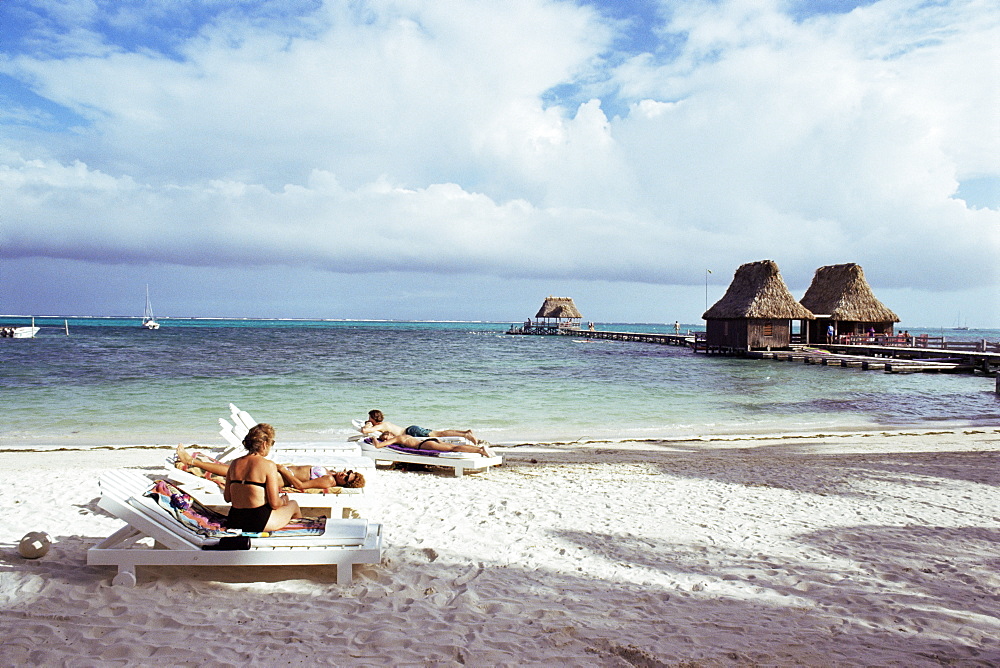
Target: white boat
point(25, 332)
point(148, 321)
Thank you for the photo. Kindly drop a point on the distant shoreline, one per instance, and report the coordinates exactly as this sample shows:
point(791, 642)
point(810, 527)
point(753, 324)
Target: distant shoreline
point(967, 331)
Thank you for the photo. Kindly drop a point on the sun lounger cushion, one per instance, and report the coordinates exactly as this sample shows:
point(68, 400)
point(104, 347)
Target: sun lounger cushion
point(433, 453)
point(369, 446)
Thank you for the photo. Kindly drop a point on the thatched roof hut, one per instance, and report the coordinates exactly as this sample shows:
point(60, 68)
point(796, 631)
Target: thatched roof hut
point(758, 292)
point(756, 312)
point(560, 308)
point(557, 313)
point(841, 297)
point(840, 292)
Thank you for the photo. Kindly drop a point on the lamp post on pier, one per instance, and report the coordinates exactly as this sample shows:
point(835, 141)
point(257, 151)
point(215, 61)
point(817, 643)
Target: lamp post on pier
point(707, 272)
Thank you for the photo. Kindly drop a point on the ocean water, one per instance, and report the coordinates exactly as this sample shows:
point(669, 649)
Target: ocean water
point(111, 383)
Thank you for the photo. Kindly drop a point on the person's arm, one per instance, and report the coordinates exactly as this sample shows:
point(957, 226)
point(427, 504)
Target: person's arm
point(368, 428)
point(275, 498)
point(225, 490)
point(289, 479)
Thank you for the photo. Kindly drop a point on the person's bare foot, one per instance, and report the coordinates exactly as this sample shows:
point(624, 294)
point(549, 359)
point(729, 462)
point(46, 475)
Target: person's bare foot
point(183, 457)
point(469, 436)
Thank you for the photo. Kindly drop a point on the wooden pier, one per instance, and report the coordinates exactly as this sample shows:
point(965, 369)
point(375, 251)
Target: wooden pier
point(682, 340)
point(888, 356)
point(891, 359)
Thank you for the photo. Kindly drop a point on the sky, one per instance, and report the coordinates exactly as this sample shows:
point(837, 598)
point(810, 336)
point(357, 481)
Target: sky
point(465, 159)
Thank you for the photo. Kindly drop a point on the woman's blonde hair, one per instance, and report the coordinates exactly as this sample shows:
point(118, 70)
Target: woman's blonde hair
point(259, 438)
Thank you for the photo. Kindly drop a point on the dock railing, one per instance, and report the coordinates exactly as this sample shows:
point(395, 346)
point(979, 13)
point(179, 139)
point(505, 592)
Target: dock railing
point(921, 341)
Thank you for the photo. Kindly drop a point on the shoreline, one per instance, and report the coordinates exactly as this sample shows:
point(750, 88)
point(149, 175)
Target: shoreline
point(827, 550)
point(669, 441)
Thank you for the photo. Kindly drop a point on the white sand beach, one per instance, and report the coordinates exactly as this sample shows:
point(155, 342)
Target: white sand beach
point(838, 550)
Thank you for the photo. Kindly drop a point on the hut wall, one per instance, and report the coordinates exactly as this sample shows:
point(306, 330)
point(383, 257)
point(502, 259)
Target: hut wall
point(730, 334)
point(742, 334)
point(769, 333)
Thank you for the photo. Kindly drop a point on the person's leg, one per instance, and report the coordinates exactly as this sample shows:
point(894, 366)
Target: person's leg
point(283, 516)
point(461, 433)
point(216, 468)
point(433, 444)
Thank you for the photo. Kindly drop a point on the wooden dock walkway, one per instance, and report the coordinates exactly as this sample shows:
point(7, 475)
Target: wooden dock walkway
point(977, 358)
point(891, 359)
point(683, 340)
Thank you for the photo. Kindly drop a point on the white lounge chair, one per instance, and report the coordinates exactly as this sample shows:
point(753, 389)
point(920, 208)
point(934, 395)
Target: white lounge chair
point(343, 543)
point(459, 462)
point(242, 422)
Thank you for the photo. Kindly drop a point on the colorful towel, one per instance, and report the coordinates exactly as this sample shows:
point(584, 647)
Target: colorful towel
point(210, 524)
point(304, 526)
point(186, 510)
point(415, 451)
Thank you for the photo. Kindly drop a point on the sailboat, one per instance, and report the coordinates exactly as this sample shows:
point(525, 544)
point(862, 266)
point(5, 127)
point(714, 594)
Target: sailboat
point(959, 327)
point(148, 321)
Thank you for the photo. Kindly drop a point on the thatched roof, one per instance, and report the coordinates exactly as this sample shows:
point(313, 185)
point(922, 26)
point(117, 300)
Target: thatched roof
point(758, 291)
point(841, 292)
point(558, 307)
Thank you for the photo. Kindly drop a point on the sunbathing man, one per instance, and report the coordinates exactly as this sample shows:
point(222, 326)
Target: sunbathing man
point(299, 477)
point(385, 438)
point(377, 422)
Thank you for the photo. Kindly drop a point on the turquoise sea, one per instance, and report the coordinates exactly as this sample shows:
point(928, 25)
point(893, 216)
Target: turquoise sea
point(111, 383)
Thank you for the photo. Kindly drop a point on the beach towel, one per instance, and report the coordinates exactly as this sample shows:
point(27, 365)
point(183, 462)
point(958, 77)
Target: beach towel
point(206, 522)
point(186, 510)
point(426, 453)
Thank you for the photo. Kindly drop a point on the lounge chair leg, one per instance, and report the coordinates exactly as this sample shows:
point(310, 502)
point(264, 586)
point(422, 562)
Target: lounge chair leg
point(345, 574)
point(125, 577)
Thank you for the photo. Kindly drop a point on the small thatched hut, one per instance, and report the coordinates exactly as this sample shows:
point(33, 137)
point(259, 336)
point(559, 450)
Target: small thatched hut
point(840, 296)
point(756, 311)
point(558, 312)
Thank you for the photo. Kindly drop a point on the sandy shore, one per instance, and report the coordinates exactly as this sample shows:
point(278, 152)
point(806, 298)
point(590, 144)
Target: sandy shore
point(842, 550)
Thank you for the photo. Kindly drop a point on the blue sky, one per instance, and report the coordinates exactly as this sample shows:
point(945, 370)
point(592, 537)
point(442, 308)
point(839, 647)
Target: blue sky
point(463, 159)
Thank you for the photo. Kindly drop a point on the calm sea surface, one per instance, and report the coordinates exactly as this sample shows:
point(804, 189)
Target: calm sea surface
point(110, 382)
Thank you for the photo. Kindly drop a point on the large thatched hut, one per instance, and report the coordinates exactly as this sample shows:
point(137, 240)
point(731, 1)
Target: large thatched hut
point(841, 297)
point(756, 312)
point(558, 312)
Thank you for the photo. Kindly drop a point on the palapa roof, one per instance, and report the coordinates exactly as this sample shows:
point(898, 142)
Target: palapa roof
point(758, 291)
point(558, 307)
point(841, 292)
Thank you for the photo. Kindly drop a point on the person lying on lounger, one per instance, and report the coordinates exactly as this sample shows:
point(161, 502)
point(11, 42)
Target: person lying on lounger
point(377, 422)
point(385, 438)
point(299, 477)
point(253, 487)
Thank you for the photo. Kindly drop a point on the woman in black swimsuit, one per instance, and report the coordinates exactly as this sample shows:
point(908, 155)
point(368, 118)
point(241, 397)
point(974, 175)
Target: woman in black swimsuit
point(253, 487)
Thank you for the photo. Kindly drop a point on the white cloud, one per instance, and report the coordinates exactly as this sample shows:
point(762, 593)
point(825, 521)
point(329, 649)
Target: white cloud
point(418, 131)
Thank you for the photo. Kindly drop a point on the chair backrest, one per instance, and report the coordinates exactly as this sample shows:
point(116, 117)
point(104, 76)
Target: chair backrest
point(241, 419)
point(228, 432)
